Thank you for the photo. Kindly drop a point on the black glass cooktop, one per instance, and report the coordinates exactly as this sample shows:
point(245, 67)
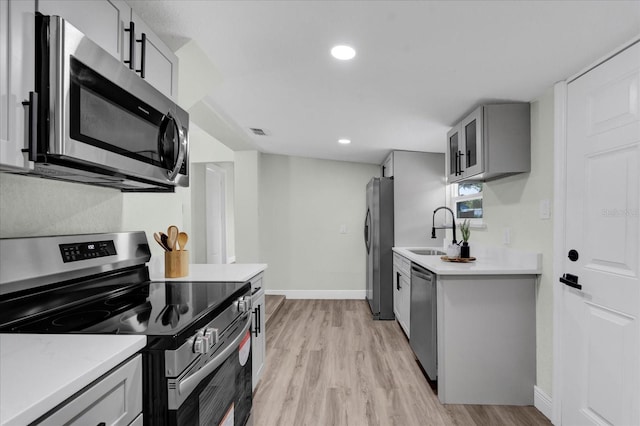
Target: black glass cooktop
point(149, 308)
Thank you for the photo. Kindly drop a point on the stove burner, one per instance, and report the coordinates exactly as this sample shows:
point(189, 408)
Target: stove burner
point(81, 318)
point(138, 320)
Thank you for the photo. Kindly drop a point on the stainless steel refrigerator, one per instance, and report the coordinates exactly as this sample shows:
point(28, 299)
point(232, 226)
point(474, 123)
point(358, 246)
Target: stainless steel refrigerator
point(378, 238)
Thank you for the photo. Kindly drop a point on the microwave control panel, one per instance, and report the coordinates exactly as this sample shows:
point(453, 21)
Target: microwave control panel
point(84, 251)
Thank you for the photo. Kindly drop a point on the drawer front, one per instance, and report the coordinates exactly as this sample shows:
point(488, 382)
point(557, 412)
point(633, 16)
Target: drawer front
point(114, 400)
point(256, 282)
point(405, 267)
point(397, 260)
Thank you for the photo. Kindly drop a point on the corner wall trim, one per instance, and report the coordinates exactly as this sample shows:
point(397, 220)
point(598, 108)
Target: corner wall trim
point(542, 402)
point(319, 294)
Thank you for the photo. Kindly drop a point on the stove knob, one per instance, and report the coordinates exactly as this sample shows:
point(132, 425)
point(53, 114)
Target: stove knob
point(199, 343)
point(210, 337)
point(199, 346)
point(244, 304)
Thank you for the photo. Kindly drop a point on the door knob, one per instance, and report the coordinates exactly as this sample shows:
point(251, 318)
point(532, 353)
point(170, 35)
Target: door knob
point(573, 255)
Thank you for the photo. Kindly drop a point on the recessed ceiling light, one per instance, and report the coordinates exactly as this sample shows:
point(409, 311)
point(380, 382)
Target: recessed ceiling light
point(344, 141)
point(342, 52)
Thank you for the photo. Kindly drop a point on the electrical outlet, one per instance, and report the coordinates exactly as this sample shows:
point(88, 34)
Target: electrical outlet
point(343, 229)
point(506, 236)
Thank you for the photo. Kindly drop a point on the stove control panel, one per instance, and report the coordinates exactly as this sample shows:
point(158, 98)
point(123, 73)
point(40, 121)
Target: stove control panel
point(84, 251)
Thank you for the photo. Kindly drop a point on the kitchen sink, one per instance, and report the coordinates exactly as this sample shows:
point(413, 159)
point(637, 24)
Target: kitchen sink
point(427, 252)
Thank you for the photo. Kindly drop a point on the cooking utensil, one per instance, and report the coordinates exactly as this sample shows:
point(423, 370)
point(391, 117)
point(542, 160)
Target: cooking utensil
point(158, 238)
point(172, 233)
point(165, 240)
point(182, 240)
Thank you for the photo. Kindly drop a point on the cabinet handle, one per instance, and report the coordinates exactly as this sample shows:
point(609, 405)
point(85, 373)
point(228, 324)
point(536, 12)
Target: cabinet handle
point(459, 165)
point(259, 319)
point(256, 320)
point(397, 280)
point(143, 54)
point(101, 424)
point(31, 149)
point(132, 44)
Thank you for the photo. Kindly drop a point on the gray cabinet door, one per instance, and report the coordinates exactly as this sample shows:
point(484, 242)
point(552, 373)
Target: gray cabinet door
point(471, 130)
point(17, 79)
point(102, 21)
point(160, 63)
point(454, 150)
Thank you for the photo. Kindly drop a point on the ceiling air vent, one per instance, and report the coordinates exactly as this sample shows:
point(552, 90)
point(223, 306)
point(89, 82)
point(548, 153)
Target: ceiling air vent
point(258, 132)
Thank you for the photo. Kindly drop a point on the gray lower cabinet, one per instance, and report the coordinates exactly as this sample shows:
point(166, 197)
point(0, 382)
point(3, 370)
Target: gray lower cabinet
point(402, 292)
point(486, 339)
point(116, 399)
point(258, 338)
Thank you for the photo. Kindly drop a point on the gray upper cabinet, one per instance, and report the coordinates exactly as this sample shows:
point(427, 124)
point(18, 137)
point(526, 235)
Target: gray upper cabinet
point(100, 20)
point(17, 81)
point(387, 166)
point(113, 26)
point(491, 142)
point(418, 188)
point(159, 63)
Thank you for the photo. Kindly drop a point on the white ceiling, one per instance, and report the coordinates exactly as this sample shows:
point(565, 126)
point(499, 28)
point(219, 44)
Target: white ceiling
point(420, 65)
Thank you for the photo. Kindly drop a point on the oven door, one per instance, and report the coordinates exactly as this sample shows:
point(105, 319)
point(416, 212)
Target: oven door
point(103, 115)
point(219, 392)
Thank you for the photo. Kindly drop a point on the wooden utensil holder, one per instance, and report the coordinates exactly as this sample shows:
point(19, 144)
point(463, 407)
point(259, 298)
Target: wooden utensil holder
point(176, 263)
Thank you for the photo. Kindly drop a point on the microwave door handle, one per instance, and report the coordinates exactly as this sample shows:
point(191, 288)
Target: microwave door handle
point(182, 149)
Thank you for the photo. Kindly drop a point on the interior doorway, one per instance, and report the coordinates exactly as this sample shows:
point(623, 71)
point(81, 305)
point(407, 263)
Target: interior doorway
point(215, 214)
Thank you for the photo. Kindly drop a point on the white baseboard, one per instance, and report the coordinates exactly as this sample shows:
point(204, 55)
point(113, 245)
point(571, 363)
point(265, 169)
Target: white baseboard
point(319, 294)
point(542, 402)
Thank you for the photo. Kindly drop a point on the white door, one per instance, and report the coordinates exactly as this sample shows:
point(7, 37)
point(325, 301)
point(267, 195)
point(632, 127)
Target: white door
point(216, 227)
point(600, 337)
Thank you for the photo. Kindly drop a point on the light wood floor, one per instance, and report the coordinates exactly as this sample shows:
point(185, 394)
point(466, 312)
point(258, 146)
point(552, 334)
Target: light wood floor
point(273, 303)
point(328, 363)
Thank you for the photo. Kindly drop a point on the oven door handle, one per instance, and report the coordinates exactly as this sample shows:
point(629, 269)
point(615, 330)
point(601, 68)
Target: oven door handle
point(189, 384)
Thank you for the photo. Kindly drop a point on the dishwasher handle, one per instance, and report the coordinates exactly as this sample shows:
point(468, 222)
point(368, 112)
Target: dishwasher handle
point(421, 273)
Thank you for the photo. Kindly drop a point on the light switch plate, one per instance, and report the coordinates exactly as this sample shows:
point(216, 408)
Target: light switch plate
point(343, 229)
point(544, 209)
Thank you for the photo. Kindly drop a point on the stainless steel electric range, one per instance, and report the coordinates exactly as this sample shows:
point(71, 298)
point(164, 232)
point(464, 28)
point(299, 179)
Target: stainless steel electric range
point(197, 361)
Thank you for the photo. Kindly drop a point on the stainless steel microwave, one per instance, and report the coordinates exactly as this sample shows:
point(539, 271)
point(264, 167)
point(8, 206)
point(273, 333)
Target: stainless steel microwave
point(100, 123)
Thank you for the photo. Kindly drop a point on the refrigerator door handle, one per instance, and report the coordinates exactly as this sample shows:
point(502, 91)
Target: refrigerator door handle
point(367, 222)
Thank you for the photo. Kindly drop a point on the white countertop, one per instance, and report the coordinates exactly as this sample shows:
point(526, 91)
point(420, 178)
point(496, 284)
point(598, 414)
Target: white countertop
point(230, 272)
point(40, 371)
point(489, 261)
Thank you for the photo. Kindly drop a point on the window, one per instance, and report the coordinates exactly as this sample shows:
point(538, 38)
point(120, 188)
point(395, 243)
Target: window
point(467, 202)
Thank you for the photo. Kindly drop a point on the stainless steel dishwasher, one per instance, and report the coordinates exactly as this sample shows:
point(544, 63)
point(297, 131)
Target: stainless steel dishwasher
point(422, 325)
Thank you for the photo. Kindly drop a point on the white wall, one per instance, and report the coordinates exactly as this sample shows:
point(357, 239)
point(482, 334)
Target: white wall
point(303, 204)
point(247, 198)
point(513, 203)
